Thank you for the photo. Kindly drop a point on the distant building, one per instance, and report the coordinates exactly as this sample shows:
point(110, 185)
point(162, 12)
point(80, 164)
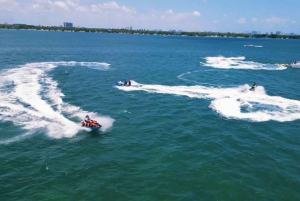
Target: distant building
point(278, 32)
point(68, 24)
point(254, 32)
point(292, 34)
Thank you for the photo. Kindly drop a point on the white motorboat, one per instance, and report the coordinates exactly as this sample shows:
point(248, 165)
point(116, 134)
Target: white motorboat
point(249, 45)
point(295, 64)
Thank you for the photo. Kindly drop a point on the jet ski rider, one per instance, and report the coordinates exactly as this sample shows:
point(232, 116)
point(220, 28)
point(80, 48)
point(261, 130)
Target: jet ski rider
point(87, 120)
point(254, 86)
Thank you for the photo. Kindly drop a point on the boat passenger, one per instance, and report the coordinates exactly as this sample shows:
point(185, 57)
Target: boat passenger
point(254, 86)
point(129, 83)
point(125, 82)
point(87, 120)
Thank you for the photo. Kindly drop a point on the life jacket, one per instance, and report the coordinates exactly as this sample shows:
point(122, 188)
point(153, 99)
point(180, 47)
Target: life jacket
point(93, 123)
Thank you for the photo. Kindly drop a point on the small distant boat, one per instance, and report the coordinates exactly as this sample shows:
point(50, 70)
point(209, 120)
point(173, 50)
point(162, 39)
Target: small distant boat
point(250, 45)
point(253, 87)
point(295, 64)
point(284, 65)
point(93, 125)
point(125, 83)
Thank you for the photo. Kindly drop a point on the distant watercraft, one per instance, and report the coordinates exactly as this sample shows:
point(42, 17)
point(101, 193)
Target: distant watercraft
point(295, 64)
point(125, 83)
point(284, 65)
point(92, 124)
point(250, 45)
point(253, 87)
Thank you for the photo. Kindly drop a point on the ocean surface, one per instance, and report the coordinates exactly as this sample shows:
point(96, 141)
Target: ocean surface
point(187, 129)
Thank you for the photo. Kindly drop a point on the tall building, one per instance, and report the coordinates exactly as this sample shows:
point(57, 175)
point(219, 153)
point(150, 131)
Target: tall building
point(68, 24)
point(278, 32)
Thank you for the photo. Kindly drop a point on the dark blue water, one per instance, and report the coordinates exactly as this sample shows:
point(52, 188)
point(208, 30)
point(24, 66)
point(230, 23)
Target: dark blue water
point(187, 129)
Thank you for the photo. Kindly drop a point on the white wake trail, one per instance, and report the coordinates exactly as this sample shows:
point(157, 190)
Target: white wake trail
point(238, 63)
point(236, 102)
point(22, 102)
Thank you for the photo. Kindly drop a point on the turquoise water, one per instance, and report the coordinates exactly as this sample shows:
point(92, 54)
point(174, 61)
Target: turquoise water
point(188, 128)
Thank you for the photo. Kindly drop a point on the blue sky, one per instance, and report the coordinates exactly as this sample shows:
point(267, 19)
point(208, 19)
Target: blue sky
point(188, 15)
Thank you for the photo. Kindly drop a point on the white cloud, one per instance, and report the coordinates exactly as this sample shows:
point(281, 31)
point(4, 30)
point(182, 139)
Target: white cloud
point(275, 20)
point(70, 3)
point(112, 6)
point(169, 12)
point(81, 9)
point(171, 15)
point(103, 15)
point(216, 21)
point(8, 5)
point(242, 21)
point(8, 2)
point(293, 22)
point(61, 4)
point(254, 19)
point(196, 13)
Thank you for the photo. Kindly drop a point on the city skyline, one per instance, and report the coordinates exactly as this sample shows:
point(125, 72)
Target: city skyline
point(196, 15)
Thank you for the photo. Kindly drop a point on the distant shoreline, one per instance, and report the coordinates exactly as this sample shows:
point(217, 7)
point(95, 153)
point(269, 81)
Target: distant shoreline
point(147, 32)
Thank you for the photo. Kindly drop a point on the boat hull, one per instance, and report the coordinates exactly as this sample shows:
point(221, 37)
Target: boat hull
point(94, 128)
point(295, 65)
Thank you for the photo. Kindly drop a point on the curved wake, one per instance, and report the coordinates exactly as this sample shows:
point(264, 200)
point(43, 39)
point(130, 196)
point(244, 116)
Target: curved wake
point(236, 103)
point(31, 100)
point(238, 63)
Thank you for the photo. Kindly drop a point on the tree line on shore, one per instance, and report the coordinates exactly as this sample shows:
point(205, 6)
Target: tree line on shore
point(143, 31)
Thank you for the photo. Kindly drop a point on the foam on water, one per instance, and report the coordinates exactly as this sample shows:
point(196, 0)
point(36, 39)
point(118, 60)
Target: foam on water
point(238, 63)
point(233, 103)
point(31, 99)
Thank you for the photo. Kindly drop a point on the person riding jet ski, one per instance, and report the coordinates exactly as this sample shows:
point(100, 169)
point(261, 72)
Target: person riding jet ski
point(88, 122)
point(253, 87)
